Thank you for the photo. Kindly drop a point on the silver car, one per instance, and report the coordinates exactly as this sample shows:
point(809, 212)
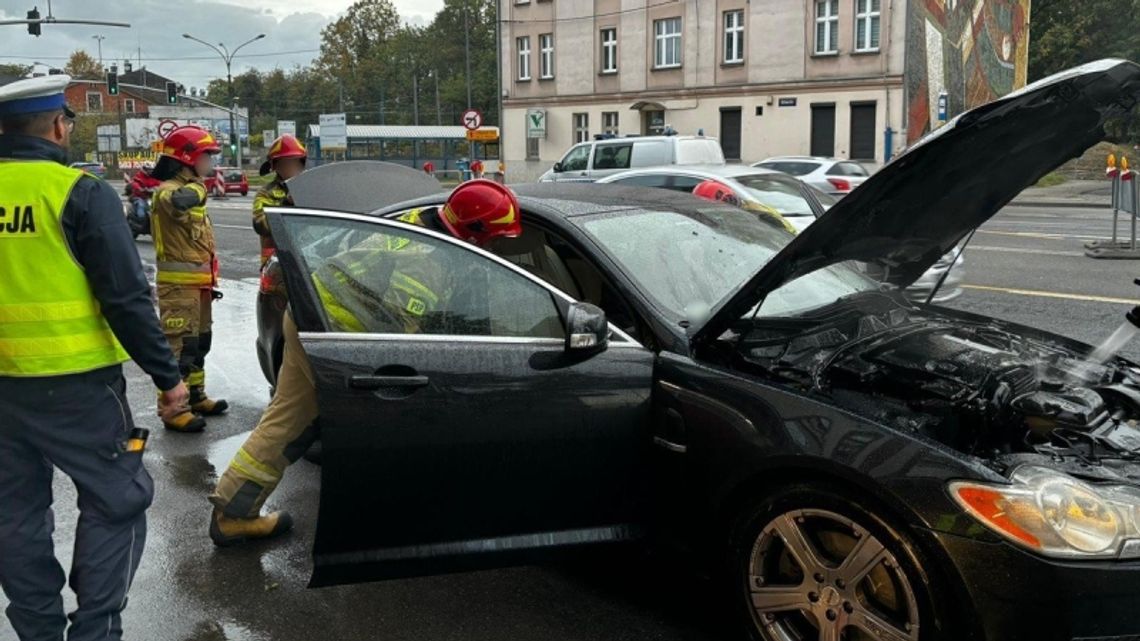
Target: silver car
point(797, 202)
point(835, 177)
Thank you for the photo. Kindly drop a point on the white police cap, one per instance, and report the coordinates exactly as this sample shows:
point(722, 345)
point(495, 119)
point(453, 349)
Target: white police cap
point(35, 95)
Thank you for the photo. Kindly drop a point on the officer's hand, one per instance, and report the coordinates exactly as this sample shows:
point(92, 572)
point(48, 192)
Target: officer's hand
point(173, 402)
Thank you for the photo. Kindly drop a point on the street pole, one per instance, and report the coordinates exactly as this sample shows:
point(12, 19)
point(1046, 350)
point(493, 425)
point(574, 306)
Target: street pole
point(467, 50)
point(438, 112)
point(100, 39)
point(415, 96)
point(228, 58)
point(382, 103)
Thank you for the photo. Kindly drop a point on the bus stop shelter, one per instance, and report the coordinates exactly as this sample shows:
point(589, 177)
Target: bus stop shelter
point(412, 145)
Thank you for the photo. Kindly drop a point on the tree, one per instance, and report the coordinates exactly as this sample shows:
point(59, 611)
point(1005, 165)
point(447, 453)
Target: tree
point(15, 71)
point(82, 65)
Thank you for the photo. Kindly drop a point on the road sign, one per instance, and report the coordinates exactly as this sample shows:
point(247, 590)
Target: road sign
point(334, 132)
point(472, 119)
point(286, 127)
point(165, 127)
point(109, 138)
point(536, 123)
point(482, 135)
point(267, 138)
point(943, 106)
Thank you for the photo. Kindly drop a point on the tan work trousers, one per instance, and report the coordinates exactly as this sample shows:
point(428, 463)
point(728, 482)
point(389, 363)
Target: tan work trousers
point(284, 433)
point(187, 319)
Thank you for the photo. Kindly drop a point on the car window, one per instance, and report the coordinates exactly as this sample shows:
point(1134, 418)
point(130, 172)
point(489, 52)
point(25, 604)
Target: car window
point(816, 289)
point(383, 280)
point(650, 180)
point(235, 176)
point(780, 193)
point(650, 153)
point(685, 184)
point(576, 159)
point(612, 156)
point(791, 167)
point(847, 169)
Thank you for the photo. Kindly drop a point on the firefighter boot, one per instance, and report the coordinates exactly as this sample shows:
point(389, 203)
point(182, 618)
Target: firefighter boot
point(225, 531)
point(187, 422)
point(204, 405)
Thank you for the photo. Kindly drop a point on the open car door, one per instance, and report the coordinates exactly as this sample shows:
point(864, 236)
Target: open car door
point(460, 428)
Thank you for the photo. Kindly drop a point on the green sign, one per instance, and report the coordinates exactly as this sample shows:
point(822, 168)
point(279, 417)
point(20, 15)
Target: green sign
point(536, 123)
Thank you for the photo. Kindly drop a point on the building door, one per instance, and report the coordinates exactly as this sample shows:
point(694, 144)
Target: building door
point(863, 131)
point(653, 122)
point(823, 130)
point(730, 132)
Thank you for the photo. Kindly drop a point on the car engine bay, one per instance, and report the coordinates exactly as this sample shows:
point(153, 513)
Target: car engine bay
point(973, 385)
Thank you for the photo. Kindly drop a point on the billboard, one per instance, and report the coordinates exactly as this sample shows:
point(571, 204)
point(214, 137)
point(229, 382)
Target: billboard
point(334, 132)
point(973, 51)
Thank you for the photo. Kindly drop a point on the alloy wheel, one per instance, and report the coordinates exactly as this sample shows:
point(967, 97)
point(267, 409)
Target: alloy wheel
point(817, 575)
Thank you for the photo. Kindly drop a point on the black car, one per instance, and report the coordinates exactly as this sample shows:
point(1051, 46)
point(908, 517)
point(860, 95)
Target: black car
point(645, 364)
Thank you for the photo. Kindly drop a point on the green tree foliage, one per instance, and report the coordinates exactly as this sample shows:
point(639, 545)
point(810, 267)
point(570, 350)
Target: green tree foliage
point(1064, 34)
point(82, 65)
point(14, 70)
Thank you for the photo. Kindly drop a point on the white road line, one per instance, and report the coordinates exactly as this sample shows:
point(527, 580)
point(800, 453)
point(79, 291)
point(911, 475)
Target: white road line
point(233, 226)
point(1021, 250)
point(1062, 295)
point(1043, 236)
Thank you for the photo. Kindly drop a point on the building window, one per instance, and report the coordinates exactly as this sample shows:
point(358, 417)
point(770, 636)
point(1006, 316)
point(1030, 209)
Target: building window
point(532, 148)
point(546, 62)
point(826, 26)
point(733, 36)
point(609, 51)
point(129, 105)
point(523, 48)
point(581, 128)
point(667, 34)
point(867, 25)
point(94, 102)
point(610, 122)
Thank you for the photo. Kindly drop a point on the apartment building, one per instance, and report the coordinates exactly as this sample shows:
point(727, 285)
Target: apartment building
point(852, 79)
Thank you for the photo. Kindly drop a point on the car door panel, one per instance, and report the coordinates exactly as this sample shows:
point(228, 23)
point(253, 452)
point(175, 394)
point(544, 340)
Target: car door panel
point(445, 451)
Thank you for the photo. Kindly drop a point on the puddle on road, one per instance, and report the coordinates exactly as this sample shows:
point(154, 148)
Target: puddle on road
point(200, 472)
point(223, 631)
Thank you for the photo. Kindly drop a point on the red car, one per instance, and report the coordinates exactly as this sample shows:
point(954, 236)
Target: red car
point(216, 182)
point(235, 181)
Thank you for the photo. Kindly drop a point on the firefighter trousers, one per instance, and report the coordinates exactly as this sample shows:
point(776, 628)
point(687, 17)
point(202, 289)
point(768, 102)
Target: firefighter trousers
point(286, 430)
point(78, 424)
point(187, 319)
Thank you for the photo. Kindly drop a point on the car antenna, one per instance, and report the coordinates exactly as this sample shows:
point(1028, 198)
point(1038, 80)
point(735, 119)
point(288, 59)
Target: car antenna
point(946, 274)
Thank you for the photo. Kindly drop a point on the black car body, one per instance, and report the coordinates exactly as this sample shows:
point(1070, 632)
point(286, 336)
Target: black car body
point(858, 467)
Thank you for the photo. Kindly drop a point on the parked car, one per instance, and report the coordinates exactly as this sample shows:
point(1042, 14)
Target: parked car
point(235, 180)
point(800, 204)
point(850, 465)
point(589, 161)
point(836, 177)
point(215, 183)
point(94, 168)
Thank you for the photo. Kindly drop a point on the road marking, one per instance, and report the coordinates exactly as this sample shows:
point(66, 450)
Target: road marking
point(1042, 236)
point(232, 226)
point(1021, 250)
point(1043, 294)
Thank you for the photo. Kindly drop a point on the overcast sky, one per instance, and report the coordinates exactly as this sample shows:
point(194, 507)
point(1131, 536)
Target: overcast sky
point(292, 34)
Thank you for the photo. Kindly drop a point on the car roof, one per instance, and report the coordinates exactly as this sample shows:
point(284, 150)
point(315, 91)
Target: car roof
point(821, 159)
point(710, 171)
point(569, 200)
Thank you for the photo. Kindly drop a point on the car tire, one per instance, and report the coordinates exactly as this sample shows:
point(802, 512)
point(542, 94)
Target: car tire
point(244, 194)
point(830, 526)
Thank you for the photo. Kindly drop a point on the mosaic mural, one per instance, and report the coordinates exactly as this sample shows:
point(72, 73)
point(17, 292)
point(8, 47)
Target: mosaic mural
point(974, 50)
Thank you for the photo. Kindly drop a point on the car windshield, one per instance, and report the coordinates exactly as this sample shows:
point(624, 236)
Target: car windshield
point(792, 167)
point(779, 194)
point(687, 263)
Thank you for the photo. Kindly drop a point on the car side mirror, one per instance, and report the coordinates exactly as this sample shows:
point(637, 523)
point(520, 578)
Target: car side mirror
point(587, 329)
point(557, 167)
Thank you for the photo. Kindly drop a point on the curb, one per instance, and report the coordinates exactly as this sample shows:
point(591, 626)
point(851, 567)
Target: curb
point(1062, 204)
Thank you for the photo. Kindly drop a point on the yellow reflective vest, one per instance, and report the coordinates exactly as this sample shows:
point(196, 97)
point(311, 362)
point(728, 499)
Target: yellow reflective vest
point(50, 323)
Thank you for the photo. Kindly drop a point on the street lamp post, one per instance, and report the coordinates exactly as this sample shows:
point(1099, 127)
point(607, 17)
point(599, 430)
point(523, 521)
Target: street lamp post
point(228, 58)
point(100, 39)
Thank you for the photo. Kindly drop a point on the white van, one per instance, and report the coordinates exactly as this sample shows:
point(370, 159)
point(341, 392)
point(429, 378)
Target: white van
point(589, 161)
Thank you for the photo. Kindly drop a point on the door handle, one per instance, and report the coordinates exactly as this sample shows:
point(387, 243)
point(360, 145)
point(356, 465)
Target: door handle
point(373, 382)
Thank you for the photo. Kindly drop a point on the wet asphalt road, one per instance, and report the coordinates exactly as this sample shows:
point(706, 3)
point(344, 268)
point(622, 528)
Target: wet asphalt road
point(1026, 265)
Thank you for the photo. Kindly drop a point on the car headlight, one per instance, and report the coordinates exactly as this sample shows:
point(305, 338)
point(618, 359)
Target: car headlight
point(1057, 515)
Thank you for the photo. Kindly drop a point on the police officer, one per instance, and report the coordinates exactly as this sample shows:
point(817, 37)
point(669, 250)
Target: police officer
point(477, 211)
point(187, 265)
point(74, 305)
point(286, 159)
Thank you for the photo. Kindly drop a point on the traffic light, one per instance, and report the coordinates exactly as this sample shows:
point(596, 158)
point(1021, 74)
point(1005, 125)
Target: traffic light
point(112, 83)
point(233, 145)
point(34, 27)
point(171, 93)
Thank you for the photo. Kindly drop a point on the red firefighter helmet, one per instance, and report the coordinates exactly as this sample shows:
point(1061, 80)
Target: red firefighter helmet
point(286, 146)
point(481, 210)
point(717, 192)
point(187, 144)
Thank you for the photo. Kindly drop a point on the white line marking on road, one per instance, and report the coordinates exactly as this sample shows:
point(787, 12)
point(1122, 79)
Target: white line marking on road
point(1043, 294)
point(1021, 250)
point(233, 226)
point(1043, 236)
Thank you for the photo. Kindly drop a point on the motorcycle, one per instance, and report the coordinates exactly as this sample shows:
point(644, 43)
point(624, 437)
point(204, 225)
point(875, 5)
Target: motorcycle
point(137, 211)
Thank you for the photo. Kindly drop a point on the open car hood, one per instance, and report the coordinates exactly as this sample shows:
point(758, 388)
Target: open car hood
point(359, 186)
point(920, 205)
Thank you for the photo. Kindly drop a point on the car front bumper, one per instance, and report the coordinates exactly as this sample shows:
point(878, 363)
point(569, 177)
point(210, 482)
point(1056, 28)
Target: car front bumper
point(1020, 596)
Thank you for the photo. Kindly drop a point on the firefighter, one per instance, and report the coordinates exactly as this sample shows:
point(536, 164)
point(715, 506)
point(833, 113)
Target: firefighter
point(717, 191)
point(74, 304)
point(286, 159)
point(187, 265)
point(477, 212)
